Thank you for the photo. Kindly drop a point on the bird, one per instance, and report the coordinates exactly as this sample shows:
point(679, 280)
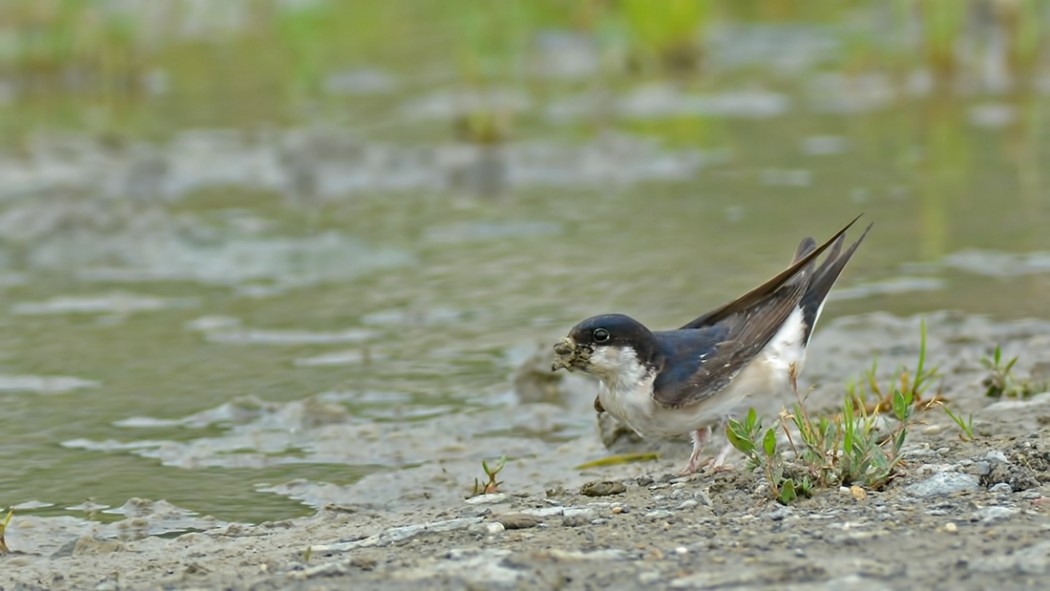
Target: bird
point(669, 383)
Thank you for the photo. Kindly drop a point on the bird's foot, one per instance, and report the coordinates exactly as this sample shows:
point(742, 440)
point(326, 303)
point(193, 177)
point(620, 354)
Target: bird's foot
point(714, 467)
point(699, 438)
point(718, 463)
point(691, 467)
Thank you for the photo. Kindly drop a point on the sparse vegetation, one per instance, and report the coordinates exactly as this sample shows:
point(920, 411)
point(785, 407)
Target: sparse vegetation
point(870, 397)
point(1001, 380)
point(851, 448)
point(760, 447)
point(491, 485)
point(965, 425)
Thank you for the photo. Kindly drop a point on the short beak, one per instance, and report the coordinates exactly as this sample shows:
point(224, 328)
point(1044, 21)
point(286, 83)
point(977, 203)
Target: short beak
point(565, 354)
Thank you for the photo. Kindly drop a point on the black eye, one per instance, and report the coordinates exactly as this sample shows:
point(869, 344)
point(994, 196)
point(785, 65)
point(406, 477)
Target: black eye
point(600, 335)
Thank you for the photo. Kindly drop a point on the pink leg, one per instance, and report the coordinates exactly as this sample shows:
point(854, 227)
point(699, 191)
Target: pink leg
point(699, 440)
point(719, 462)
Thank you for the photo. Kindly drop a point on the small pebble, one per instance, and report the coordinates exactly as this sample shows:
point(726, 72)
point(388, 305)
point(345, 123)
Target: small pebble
point(779, 513)
point(495, 528)
point(603, 488)
point(658, 514)
point(584, 512)
point(545, 511)
point(518, 520)
point(485, 499)
point(943, 484)
point(951, 527)
point(995, 456)
point(688, 504)
point(992, 514)
point(858, 493)
point(681, 550)
point(1002, 487)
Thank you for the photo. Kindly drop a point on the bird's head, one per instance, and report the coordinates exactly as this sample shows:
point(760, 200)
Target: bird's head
point(606, 346)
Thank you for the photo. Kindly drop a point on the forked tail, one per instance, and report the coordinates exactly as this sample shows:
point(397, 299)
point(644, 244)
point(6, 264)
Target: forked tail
point(824, 278)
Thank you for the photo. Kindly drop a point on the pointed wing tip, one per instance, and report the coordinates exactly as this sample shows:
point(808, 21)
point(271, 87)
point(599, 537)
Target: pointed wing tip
point(840, 235)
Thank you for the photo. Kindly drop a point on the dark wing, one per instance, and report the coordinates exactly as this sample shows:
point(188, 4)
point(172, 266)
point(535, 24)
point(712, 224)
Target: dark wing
point(701, 362)
point(705, 355)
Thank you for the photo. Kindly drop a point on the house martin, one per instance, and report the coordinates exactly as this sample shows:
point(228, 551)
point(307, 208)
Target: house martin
point(672, 382)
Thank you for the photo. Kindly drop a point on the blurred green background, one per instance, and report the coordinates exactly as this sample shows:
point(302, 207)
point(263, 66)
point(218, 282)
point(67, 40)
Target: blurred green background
point(147, 70)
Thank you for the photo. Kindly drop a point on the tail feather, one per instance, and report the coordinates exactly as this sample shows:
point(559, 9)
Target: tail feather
point(823, 279)
point(805, 247)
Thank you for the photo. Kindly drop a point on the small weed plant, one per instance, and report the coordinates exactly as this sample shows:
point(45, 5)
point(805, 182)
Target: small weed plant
point(1001, 381)
point(760, 446)
point(491, 485)
point(965, 424)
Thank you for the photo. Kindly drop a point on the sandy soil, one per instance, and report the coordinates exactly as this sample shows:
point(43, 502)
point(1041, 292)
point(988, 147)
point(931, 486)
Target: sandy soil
point(960, 514)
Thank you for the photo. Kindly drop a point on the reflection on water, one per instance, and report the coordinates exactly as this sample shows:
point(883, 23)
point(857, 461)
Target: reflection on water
point(260, 314)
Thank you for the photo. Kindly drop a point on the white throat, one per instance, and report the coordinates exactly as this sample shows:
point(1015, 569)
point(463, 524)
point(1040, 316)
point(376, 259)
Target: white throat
point(618, 368)
point(626, 390)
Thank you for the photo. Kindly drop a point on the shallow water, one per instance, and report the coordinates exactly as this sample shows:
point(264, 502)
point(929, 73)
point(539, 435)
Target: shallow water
point(235, 321)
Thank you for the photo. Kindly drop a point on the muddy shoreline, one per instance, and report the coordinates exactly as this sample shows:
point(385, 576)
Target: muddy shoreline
point(960, 514)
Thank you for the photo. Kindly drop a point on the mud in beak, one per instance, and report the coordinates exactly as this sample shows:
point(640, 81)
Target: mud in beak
point(568, 355)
